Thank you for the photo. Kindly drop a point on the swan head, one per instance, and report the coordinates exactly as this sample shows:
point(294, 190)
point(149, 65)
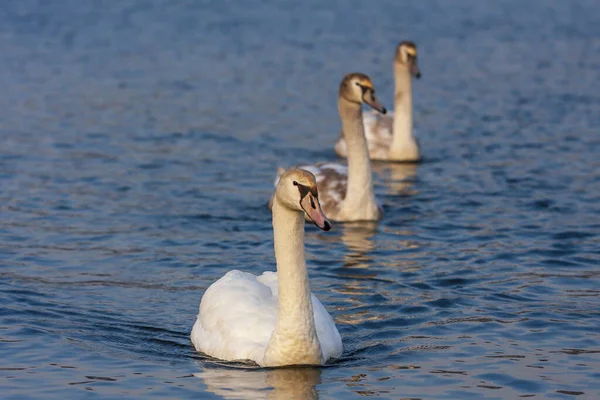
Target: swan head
point(297, 190)
point(358, 88)
point(406, 55)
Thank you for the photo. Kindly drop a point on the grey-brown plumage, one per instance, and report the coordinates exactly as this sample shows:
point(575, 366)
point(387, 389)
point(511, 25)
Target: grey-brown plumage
point(390, 137)
point(346, 192)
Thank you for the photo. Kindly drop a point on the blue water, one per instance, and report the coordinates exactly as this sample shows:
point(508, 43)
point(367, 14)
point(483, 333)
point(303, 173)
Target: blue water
point(139, 141)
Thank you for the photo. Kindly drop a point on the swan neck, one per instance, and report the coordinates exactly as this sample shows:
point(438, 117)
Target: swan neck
point(359, 193)
point(295, 326)
point(403, 122)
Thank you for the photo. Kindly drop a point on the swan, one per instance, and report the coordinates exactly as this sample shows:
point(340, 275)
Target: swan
point(390, 137)
point(272, 319)
point(347, 191)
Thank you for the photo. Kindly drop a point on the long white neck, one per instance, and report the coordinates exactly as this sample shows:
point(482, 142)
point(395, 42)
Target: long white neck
point(359, 202)
point(403, 142)
point(294, 340)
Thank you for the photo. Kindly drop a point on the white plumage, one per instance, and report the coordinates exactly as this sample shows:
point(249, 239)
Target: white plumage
point(238, 314)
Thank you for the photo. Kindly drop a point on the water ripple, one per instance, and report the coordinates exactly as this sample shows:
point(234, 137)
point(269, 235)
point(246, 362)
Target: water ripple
point(138, 146)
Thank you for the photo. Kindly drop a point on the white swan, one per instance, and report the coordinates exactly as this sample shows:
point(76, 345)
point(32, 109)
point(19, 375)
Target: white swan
point(346, 192)
point(272, 319)
point(390, 137)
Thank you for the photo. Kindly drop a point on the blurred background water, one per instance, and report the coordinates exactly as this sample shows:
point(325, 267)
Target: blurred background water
point(138, 145)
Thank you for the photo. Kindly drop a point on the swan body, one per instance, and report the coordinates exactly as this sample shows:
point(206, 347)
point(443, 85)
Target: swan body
point(346, 191)
point(251, 324)
point(272, 319)
point(391, 137)
point(379, 132)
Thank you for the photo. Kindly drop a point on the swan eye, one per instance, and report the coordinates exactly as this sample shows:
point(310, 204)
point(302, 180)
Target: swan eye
point(295, 183)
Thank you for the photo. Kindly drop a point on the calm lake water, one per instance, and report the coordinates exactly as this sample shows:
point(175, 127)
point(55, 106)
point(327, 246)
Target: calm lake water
point(138, 145)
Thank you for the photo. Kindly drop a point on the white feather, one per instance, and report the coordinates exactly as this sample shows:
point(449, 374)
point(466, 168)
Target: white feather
point(238, 314)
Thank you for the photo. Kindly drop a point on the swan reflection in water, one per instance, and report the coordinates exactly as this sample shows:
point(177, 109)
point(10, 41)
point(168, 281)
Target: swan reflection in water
point(362, 270)
point(353, 270)
point(398, 178)
point(260, 383)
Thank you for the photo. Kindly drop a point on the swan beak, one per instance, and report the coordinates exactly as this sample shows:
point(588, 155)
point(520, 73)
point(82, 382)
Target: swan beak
point(311, 206)
point(370, 99)
point(414, 70)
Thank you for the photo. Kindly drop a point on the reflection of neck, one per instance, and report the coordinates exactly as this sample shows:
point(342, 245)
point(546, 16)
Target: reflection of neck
point(297, 383)
point(358, 240)
point(360, 197)
point(403, 124)
point(294, 340)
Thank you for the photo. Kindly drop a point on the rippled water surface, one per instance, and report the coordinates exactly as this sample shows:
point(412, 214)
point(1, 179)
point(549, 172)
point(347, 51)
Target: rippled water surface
point(139, 141)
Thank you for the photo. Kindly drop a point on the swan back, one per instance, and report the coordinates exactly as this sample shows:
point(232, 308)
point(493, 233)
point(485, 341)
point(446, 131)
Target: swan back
point(237, 316)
